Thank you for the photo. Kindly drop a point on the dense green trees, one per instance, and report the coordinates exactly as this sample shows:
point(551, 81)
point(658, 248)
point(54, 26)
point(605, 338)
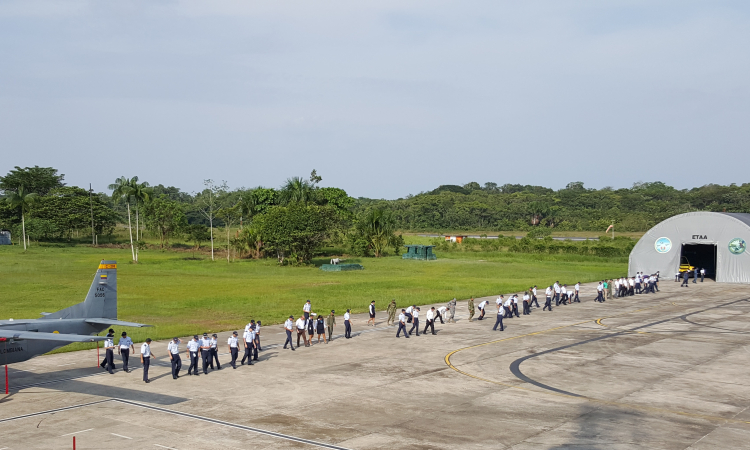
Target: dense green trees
point(294, 232)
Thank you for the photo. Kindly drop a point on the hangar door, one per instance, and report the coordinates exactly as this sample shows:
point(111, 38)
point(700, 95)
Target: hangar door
point(702, 256)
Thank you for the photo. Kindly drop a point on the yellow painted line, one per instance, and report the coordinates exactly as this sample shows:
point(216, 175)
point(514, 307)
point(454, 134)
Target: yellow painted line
point(582, 397)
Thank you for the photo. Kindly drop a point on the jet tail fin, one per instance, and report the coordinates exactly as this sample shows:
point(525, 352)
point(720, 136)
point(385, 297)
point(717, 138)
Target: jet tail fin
point(101, 300)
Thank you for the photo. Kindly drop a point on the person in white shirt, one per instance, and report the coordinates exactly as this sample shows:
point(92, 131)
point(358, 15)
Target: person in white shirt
point(214, 352)
point(415, 320)
point(508, 305)
point(306, 311)
point(205, 352)
point(320, 327)
point(288, 327)
point(564, 294)
point(515, 305)
point(576, 290)
point(301, 327)
point(193, 347)
point(408, 313)
point(347, 325)
point(556, 288)
point(232, 343)
point(123, 348)
point(548, 301)
point(257, 338)
point(481, 307)
point(600, 292)
point(533, 297)
point(500, 313)
point(248, 344)
point(440, 313)
point(173, 348)
point(372, 313)
point(430, 320)
point(500, 300)
point(146, 358)
point(109, 352)
point(402, 324)
point(703, 274)
point(526, 308)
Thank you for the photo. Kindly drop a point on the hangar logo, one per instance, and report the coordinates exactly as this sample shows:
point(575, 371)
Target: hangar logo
point(663, 245)
point(737, 246)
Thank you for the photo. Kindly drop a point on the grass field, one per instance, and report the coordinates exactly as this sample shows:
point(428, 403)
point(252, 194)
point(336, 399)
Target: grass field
point(181, 296)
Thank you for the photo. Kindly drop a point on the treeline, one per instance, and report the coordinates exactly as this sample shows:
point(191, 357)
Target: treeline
point(514, 207)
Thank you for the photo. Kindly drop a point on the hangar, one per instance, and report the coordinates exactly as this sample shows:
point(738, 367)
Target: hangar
point(711, 240)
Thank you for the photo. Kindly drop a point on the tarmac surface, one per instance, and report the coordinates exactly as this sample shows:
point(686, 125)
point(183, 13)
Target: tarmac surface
point(653, 371)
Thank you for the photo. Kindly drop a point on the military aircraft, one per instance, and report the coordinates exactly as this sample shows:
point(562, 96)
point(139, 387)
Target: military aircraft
point(23, 339)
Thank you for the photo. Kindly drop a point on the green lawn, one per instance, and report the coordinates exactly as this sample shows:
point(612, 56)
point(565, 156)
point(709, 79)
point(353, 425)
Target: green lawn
point(181, 296)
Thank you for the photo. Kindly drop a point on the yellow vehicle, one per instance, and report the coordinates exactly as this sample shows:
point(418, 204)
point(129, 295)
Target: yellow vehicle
point(685, 265)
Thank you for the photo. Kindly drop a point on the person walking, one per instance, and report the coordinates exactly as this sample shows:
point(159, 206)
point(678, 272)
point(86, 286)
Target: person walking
point(248, 343)
point(402, 324)
point(311, 328)
point(206, 353)
point(695, 275)
point(306, 310)
point(576, 291)
point(301, 326)
point(515, 305)
point(430, 320)
point(703, 274)
point(471, 308)
point(415, 320)
point(124, 346)
point(548, 296)
point(526, 309)
point(320, 325)
point(109, 352)
point(288, 326)
point(257, 340)
point(232, 343)
point(214, 352)
point(372, 313)
point(347, 325)
point(173, 348)
point(499, 320)
point(600, 292)
point(193, 347)
point(146, 358)
point(508, 306)
point(391, 312)
point(408, 313)
point(564, 294)
point(556, 288)
point(452, 310)
point(103, 364)
point(533, 297)
point(331, 323)
point(685, 278)
point(608, 287)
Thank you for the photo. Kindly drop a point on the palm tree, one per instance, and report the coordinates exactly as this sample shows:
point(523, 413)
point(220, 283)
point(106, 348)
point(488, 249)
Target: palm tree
point(141, 193)
point(22, 200)
point(296, 190)
point(379, 226)
point(122, 189)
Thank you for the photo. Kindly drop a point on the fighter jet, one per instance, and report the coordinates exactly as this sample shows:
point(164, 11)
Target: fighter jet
point(23, 339)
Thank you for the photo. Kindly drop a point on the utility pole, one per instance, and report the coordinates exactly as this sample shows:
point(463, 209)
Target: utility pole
point(91, 204)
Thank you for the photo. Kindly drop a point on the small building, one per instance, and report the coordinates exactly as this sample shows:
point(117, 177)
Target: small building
point(5, 237)
point(423, 252)
point(458, 239)
point(712, 241)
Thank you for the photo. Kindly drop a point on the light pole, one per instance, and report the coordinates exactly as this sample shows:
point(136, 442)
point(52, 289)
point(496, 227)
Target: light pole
point(91, 204)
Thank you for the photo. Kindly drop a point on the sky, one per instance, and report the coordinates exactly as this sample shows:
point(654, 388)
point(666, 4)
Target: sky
point(383, 98)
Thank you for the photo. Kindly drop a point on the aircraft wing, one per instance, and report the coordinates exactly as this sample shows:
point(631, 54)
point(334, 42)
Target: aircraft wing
point(113, 322)
point(35, 335)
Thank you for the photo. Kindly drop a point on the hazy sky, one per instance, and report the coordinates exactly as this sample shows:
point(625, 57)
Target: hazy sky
point(383, 98)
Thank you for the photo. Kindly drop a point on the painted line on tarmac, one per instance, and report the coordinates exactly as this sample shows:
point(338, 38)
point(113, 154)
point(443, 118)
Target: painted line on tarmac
point(76, 432)
point(119, 435)
point(229, 424)
point(51, 411)
point(553, 391)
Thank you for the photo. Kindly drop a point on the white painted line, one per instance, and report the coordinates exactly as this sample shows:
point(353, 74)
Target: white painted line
point(50, 411)
point(170, 448)
point(4, 448)
point(119, 435)
point(69, 364)
point(77, 432)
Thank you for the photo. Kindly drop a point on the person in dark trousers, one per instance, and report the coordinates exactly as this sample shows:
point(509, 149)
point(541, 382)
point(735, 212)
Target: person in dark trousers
point(174, 357)
point(415, 320)
point(533, 297)
point(288, 327)
point(123, 348)
point(482, 305)
point(146, 358)
point(347, 325)
point(402, 324)
point(526, 308)
point(215, 352)
point(600, 293)
point(685, 278)
point(248, 343)
point(499, 320)
point(233, 348)
point(193, 350)
point(703, 274)
point(430, 321)
point(695, 275)
point(109, 355)
point(257, 338)
point(548, 299)
point(103, 364)
point(206, 352)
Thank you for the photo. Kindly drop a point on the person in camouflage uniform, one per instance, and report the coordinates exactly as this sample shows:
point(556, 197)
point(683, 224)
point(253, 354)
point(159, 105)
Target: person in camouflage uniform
point(391, 312)
point(452, 309)
point(471, 308)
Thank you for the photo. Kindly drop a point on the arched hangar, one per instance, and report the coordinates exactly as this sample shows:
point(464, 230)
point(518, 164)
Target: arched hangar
point(713, 241)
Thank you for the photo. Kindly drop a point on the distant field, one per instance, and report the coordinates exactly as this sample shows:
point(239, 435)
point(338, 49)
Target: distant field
point(181, 296)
